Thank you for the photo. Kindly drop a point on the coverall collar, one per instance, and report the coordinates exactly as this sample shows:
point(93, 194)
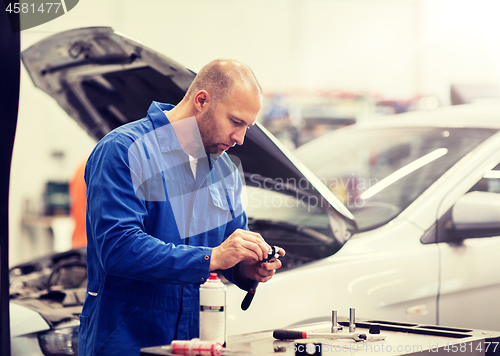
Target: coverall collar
point(165, 134)
point(167, 139)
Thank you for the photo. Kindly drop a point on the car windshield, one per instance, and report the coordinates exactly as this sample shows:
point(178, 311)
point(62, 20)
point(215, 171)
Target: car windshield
point(378, 172)
point(292, 222)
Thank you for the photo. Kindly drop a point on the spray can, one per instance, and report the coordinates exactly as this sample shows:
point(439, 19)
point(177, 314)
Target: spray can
point(213, 310)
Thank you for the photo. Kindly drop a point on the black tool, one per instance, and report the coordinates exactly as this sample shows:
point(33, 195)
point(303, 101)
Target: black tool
point(272, 254)
point(245, 304)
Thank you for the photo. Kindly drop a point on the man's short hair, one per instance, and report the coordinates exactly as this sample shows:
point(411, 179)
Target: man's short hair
point(219, 76)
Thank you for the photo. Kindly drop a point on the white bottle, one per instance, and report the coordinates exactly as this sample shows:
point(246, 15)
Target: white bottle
point(213, 310)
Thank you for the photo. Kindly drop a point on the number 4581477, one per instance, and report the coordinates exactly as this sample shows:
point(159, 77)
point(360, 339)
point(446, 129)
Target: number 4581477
point(492, 344)
point(24, 8)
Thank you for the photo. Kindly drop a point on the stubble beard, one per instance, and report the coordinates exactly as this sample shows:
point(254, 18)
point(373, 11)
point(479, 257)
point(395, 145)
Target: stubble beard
point(208, 132)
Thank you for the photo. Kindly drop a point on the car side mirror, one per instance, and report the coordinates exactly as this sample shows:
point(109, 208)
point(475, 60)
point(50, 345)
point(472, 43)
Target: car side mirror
point(476, 214)
point(477, 210)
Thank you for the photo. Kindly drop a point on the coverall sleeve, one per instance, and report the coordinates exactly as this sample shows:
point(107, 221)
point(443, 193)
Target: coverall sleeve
point(116, 222)
point(240, 222)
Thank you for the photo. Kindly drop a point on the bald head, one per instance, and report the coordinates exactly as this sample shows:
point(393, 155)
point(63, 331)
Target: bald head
point(225, 98)
point(219, 78)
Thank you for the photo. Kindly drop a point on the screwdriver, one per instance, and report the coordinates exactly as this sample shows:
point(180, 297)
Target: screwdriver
point(292, 334)
point(273, 254)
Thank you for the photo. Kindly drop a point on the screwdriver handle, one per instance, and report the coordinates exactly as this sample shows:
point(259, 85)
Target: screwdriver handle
point(245, 304)
point(289, 334)
point(273, 254)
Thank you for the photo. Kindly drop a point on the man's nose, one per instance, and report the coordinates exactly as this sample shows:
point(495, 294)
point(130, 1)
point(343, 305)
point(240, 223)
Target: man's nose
point(239, 136)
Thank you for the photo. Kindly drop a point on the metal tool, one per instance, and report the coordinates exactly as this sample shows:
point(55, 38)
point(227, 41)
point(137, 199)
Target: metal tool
point(272, 255)
point(336, 327)
point(374, 337)
point(352, 319)
point(292, 334)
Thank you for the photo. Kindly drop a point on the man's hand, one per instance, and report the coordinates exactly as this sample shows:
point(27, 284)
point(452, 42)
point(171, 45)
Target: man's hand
point(241, 245)
point(261, 271)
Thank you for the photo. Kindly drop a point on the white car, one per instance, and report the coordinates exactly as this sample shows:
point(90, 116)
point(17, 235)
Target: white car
point(414, 242)
point(424, 188)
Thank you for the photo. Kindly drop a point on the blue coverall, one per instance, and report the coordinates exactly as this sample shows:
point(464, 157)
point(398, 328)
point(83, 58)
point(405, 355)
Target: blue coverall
point(143, 277)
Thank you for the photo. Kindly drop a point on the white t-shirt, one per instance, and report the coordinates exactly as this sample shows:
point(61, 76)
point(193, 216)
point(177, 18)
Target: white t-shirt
point(194, 163)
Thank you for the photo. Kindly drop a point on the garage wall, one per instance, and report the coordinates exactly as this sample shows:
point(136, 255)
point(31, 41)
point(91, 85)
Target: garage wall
point(459, 43)
point(394, 48)
point(358, 46)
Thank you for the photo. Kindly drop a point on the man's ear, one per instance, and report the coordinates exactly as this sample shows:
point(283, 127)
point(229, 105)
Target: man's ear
point(201, 100)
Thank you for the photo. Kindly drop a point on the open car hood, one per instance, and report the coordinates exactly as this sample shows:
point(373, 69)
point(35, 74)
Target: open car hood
point(103, 79)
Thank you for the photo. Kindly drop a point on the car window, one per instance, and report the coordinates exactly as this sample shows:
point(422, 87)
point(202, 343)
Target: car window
point(294, 222)
point(379, 172)
point(490, 182)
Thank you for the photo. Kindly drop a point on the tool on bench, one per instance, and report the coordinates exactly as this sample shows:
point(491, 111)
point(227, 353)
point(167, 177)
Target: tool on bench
point(292, 334)
point(195, 347)
point(336, 327)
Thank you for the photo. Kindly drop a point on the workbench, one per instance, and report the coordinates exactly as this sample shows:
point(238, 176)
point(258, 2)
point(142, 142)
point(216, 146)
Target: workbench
point(400, 339)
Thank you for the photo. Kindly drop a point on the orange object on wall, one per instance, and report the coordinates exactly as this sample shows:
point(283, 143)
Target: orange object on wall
point(78, 199)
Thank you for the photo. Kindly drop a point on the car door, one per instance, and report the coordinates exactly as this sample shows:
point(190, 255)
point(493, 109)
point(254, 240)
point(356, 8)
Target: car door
point(470, 268)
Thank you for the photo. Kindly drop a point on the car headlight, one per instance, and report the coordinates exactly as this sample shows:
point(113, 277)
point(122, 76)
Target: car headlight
point(61, 341)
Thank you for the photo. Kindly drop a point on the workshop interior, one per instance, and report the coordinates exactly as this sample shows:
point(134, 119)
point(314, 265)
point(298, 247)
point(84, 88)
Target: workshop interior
point(372, 170)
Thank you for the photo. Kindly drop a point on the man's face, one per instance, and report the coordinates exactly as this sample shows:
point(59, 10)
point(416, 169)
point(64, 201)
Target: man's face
point(225, 125)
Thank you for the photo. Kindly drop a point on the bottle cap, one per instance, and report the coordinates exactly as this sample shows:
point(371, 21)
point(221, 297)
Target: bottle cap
point(213, 276)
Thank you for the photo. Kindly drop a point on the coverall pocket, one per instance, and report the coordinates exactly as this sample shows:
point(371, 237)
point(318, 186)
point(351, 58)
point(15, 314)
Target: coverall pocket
point(82, 335)
point(220, 196)
point(115, 327)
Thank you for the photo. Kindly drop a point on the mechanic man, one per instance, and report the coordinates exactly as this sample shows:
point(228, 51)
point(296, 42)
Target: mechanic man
point(163, 210)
